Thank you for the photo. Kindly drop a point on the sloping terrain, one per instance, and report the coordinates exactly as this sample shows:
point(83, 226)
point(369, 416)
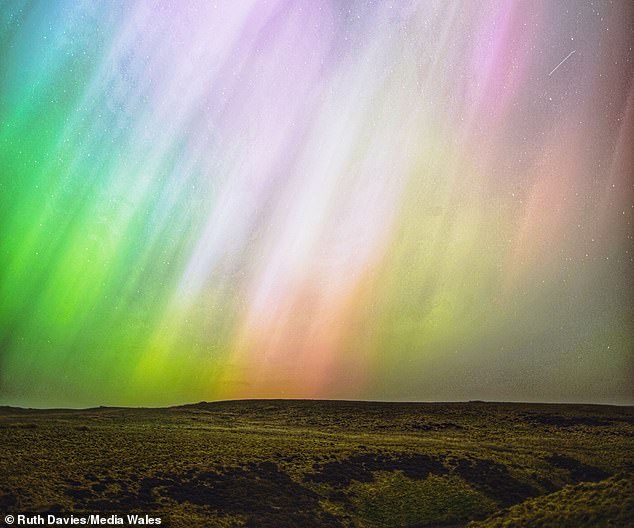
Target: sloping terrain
point(277, 463)
point(589, 504)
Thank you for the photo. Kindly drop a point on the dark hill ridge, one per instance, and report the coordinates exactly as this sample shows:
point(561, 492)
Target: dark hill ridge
point(321, 463)
point(428, 407)
point(361, 413)
point(323, 404)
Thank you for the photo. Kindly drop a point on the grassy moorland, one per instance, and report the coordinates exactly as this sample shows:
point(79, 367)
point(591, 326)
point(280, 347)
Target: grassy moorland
point(273, 463)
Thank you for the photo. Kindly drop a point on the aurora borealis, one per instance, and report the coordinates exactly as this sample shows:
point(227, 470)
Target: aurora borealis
point(362, 200)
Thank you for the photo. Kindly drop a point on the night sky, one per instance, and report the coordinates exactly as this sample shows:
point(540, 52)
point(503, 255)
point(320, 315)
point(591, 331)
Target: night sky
point(365, 200)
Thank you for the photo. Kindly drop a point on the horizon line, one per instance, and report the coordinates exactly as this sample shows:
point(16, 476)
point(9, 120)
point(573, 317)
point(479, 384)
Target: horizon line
point(333, 400)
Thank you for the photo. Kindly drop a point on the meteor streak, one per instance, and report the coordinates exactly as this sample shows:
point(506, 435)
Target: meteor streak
point(564, 60)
